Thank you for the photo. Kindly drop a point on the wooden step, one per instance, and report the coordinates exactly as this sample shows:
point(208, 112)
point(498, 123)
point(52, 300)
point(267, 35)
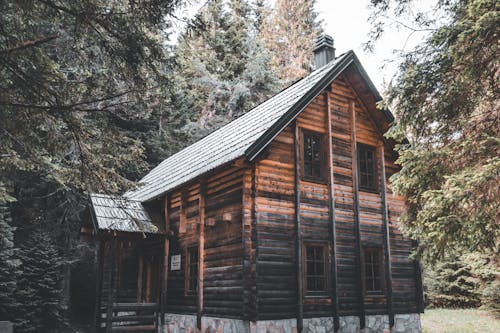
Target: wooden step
point(135, 328)
point(139, 318)
point(135, 306)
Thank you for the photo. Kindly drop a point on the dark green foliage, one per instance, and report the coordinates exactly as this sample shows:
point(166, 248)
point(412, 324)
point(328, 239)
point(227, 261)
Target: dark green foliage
point(491, 297)
point(75, 75)
point(462, 281)
point(223, 69)
point(445, 97)
point(39, 285)
point(9, 265)
point(451, 284)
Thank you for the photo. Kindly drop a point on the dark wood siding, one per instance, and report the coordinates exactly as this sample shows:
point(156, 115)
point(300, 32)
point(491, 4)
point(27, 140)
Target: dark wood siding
point(275, 215)
point(223, 249)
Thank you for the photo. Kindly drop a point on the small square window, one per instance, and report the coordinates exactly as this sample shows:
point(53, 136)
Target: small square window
point(373, 269)
point(191, 284)
point(367, 168)
point(312, 156)
point(315, 269)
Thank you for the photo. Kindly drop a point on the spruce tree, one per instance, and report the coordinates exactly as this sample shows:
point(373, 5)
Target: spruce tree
point(39, 285)
point(445, 97)
point(8, 265)
point(289, 33)
point(223, 69)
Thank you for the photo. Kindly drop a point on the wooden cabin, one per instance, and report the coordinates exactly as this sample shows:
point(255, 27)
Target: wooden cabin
point(280, 221)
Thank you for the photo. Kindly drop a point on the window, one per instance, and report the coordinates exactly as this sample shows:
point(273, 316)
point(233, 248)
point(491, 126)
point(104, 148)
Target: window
point(315, 269)
point(192, 269)
point(367, 168)
point(313, 159)
point(372, 269)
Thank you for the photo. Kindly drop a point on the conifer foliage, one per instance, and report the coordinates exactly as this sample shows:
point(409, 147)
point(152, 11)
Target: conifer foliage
point(223, 68)
point(9, 264)
point(445, 96)
point(289, 31)
point(39, 285)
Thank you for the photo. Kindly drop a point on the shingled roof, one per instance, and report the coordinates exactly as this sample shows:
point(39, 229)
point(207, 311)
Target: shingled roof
point(247, 135)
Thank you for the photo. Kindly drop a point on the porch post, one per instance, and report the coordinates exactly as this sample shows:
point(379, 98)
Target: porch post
point(165, 261)
point(99, 277)
point(112, 286)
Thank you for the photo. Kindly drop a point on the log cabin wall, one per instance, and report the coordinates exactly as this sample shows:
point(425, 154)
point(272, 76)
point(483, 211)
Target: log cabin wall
point(223, 249)
point(272, 223)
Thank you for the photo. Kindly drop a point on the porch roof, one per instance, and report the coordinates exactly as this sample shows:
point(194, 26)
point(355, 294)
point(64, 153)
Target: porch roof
point(121, 214)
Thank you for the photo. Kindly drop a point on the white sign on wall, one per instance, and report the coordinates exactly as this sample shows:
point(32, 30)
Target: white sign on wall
point(175, 262)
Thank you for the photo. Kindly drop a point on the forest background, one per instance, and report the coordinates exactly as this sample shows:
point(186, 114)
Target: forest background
point(94, 94)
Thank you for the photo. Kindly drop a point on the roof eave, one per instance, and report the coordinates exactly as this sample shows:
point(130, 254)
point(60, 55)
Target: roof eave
point(349, 58)
point(261, 143)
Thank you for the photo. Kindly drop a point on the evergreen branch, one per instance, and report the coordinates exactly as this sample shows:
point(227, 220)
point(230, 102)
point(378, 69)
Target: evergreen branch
point(28, 43)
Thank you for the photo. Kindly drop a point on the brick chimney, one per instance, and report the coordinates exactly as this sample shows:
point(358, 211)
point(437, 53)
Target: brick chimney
point(324, 52)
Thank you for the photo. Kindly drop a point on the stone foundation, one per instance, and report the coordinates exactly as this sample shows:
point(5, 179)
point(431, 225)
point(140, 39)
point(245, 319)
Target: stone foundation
point(403, 323)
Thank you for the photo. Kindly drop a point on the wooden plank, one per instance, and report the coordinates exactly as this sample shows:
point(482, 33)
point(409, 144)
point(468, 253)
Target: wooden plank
point(201, 251)
point(387, 244)
point(100, 273)
point(354, 158)
point(333, 230)
point(298, 241)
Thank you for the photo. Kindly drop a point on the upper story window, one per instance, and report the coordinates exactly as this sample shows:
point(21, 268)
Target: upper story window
point(372, 269)
point(192, 269)
point(315, 269)
point(367, 168)
point(313, 163)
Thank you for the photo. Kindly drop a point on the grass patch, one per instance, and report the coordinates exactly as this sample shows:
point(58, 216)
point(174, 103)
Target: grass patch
point(459, 321)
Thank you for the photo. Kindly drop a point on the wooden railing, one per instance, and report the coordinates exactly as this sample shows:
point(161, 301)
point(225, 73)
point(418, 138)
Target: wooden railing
point(130, 317)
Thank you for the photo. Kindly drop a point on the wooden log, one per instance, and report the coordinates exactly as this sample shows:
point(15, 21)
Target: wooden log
point(165, 261)
point(418, 282)
point(112, 285)
point(148, 280)
point(298, 240)
point(100, 273)
point(387, 244)
point(333, 233)
point(183, 217)
point(201, 251)
point(354, 158)
point(139, 277)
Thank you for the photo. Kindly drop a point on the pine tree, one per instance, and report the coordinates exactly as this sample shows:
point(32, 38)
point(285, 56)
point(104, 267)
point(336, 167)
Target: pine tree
point(289, 33)
point(39, 285)
point(452, 283)
point(445, 96)
point(8, 266)
point(223, 70)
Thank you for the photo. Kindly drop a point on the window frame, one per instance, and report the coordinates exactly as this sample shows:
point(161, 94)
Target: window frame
point(188, 270)
point(322, 156)
point(381, 270)
point(326, 275)
point(361, 147)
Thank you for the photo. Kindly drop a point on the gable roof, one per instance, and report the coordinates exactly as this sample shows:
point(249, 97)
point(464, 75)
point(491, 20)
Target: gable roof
point(121, 214)
point(247, 135)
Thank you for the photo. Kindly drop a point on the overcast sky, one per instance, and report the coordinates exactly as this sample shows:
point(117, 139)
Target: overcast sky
point(347, 23)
